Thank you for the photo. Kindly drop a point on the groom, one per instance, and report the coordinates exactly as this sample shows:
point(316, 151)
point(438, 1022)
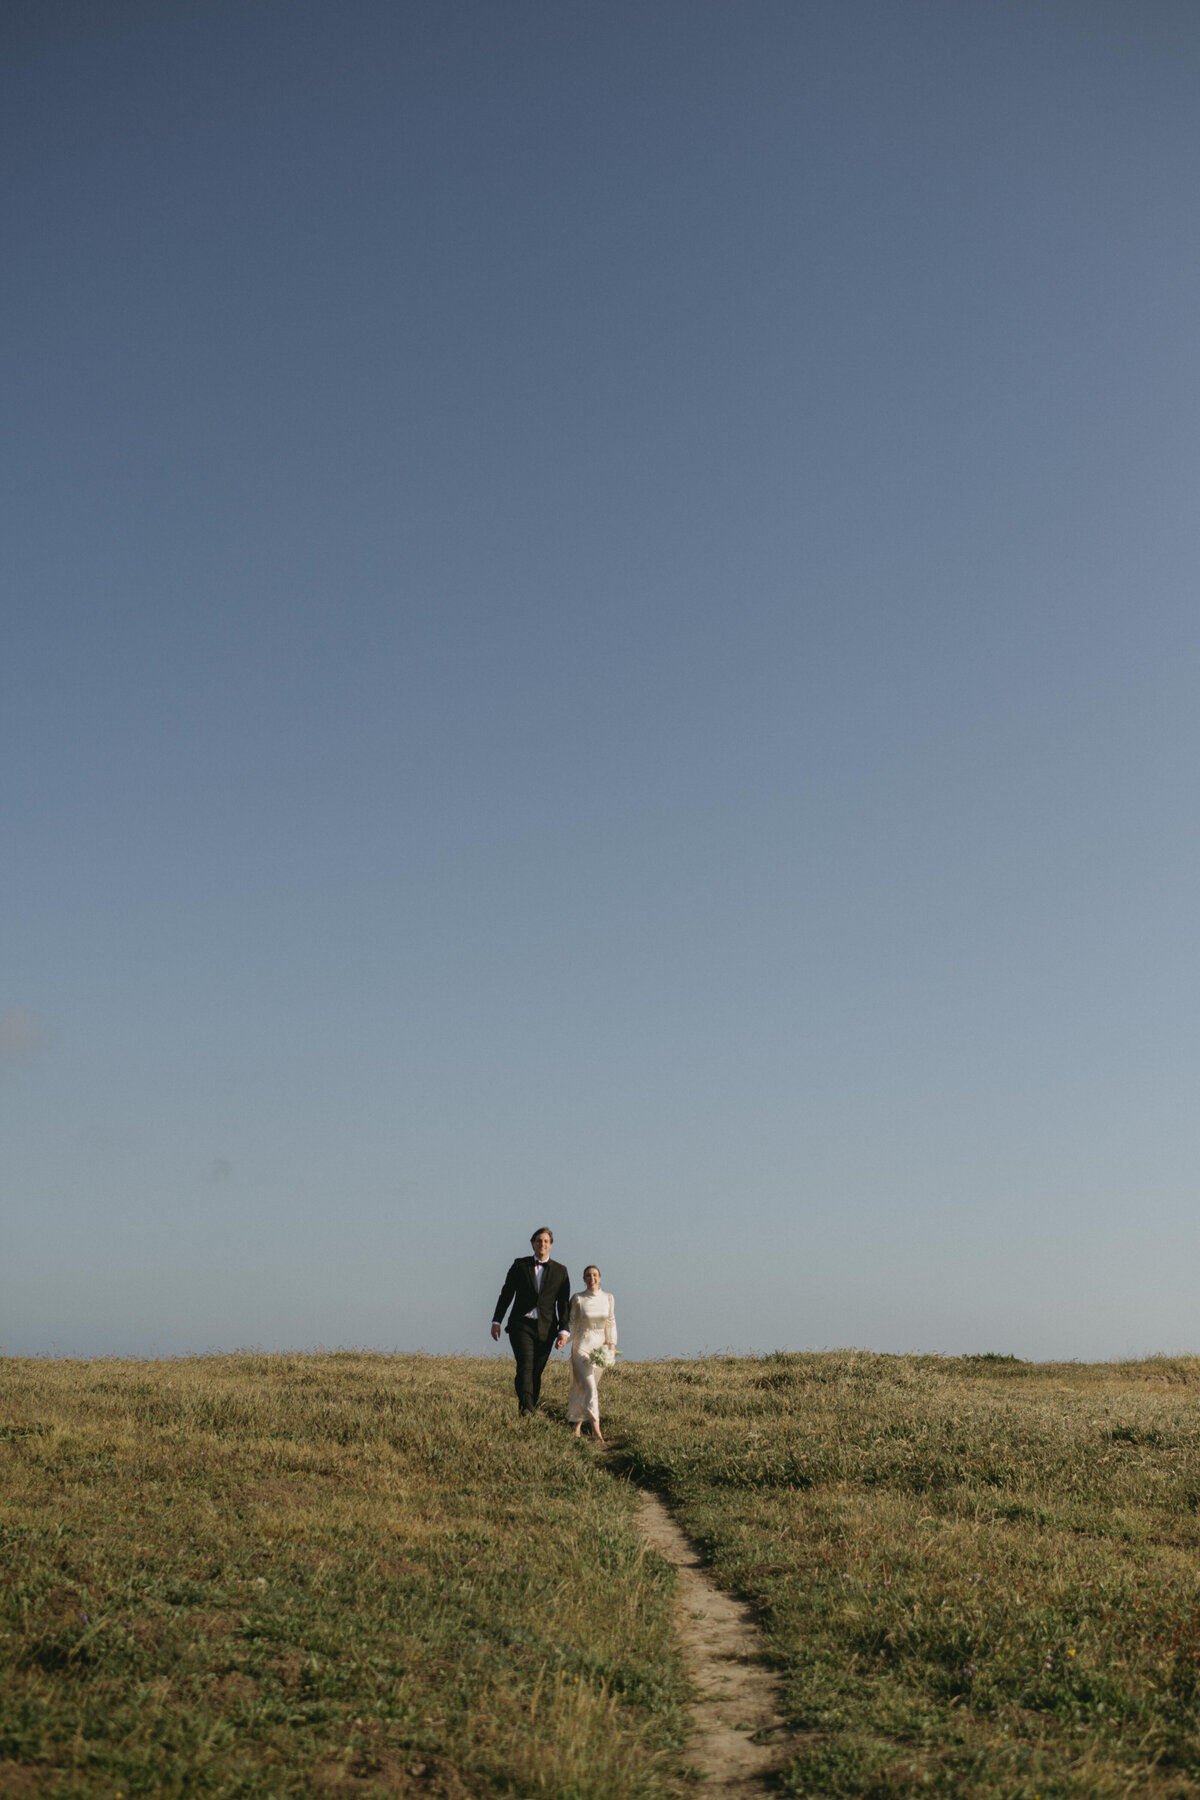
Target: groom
point(541, 1294)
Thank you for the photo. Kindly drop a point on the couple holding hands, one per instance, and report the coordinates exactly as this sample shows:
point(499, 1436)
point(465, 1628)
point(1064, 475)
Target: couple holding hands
point(545, 1314)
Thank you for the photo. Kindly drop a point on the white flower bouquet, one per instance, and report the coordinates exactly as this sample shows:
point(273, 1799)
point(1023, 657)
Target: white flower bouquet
point(603, 1356)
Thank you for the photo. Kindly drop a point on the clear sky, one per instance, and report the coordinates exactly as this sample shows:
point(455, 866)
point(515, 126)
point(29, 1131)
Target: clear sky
point(600, 627)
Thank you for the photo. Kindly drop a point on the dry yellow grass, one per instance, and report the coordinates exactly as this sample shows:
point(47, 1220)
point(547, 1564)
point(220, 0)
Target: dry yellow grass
point(356, 1574)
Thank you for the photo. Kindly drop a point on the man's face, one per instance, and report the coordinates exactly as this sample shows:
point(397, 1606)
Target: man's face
point(541, 1245)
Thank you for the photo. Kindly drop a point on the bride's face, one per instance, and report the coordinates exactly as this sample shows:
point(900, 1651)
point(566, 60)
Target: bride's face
point(591, 1278)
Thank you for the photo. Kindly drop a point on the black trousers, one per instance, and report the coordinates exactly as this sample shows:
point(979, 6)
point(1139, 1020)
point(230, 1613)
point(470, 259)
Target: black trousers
point(532, 1354)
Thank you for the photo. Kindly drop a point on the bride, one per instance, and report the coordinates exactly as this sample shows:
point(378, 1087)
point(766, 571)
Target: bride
point(593, 1323)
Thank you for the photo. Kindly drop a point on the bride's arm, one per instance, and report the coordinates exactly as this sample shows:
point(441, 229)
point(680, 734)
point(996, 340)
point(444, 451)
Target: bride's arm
point(610, 1324)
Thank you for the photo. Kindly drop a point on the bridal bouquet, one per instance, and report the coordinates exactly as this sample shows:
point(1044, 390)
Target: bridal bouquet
point(603, 1356)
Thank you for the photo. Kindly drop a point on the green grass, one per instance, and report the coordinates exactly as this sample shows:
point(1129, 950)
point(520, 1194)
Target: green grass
point(979, 1577)
point(331, 1574)
point(363, 1575)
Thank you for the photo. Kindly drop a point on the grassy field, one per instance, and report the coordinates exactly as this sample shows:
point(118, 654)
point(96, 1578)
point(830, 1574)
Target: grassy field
point(362, 1575)
point(980, 1577)
point(319, 1575)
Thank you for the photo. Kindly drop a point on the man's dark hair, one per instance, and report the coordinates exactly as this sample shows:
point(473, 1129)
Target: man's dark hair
point(539, 1232)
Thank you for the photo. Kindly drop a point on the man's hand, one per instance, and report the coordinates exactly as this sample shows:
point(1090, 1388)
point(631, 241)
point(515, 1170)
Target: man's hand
point(562, 1338)
point(496, 1330)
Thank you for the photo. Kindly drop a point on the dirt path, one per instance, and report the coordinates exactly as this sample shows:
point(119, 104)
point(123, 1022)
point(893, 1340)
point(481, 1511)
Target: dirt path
point(737, 1696)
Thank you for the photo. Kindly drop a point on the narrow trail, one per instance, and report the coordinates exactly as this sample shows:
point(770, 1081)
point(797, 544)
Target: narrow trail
point(737, 1695)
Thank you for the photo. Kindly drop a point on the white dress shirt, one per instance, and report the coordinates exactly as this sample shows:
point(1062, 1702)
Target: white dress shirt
point(538, 1271)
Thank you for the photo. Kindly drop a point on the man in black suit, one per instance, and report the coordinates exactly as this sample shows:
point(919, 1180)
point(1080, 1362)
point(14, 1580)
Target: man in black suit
point(540, 1291)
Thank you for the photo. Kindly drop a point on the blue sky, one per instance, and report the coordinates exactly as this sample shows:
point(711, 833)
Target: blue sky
point(600, 627)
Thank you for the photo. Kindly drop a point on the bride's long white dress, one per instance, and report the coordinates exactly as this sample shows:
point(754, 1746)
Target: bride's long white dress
point(593, 1321)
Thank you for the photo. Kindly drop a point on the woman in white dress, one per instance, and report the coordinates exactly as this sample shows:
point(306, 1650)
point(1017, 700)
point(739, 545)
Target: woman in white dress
point(593, 1323)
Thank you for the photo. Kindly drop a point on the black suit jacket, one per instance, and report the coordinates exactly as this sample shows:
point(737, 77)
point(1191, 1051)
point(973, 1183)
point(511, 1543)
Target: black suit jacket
point(553, 1303)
